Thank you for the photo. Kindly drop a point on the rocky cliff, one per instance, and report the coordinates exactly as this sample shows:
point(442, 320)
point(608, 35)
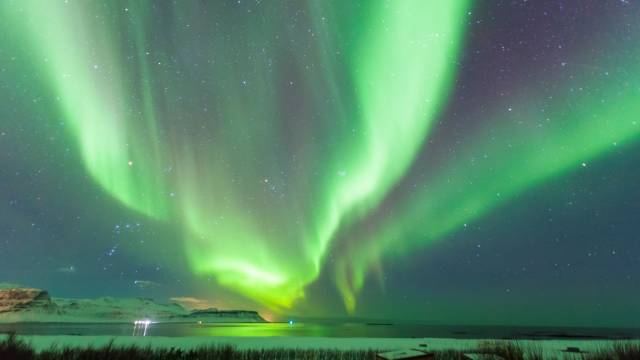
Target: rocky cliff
point(210, 314)
point(18, 304)
point(25, 300)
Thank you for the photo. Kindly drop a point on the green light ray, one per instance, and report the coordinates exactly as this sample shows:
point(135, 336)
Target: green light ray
point(118, 148)
point(211, 133)
point(403, 69)
point(207, 179)
point(582, 126)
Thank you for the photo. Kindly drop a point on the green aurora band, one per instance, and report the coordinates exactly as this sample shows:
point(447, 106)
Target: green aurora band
point(200, 146)
point(584, 123)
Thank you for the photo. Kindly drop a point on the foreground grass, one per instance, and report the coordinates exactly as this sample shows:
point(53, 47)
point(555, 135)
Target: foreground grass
point(13, 348)
point(512, 350)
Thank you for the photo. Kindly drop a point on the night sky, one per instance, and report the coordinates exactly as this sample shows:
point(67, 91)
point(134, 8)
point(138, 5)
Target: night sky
point(445, 161)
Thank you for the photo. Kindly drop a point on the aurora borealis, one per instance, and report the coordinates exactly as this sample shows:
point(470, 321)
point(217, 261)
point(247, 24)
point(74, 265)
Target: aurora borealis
point(323, 157)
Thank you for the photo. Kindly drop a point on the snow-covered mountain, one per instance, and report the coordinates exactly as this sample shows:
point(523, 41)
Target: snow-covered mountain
point(20, 304)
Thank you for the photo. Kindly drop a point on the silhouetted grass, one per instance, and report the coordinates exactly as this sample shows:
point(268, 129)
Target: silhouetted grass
point(14, 348)
point(449, 355)
point(510, 350)
point(618, 351)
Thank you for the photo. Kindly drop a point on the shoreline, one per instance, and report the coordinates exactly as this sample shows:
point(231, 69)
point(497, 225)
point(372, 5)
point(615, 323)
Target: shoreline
point(549, 347)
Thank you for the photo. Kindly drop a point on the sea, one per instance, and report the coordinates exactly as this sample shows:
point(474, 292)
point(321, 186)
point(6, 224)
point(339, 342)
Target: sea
point(310, 329)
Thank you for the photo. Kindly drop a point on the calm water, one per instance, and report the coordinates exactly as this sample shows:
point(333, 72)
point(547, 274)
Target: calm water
point(323, 330)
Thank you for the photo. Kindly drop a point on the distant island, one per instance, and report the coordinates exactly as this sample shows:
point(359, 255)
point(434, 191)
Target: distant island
point(23, 304)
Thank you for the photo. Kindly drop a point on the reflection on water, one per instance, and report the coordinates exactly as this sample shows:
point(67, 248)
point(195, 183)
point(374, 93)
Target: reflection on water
point(140, 327)
point(148, 328)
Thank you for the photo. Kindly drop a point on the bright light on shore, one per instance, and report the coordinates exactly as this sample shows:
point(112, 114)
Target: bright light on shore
point(140, 327)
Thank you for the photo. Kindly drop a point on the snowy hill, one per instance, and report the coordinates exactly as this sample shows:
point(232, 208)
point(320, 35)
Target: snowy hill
point(18, 304)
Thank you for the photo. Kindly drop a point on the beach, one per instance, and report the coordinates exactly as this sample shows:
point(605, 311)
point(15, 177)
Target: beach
point(551, 348)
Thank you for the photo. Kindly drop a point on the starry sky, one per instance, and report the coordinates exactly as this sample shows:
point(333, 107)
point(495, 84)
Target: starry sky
point(452, 162)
